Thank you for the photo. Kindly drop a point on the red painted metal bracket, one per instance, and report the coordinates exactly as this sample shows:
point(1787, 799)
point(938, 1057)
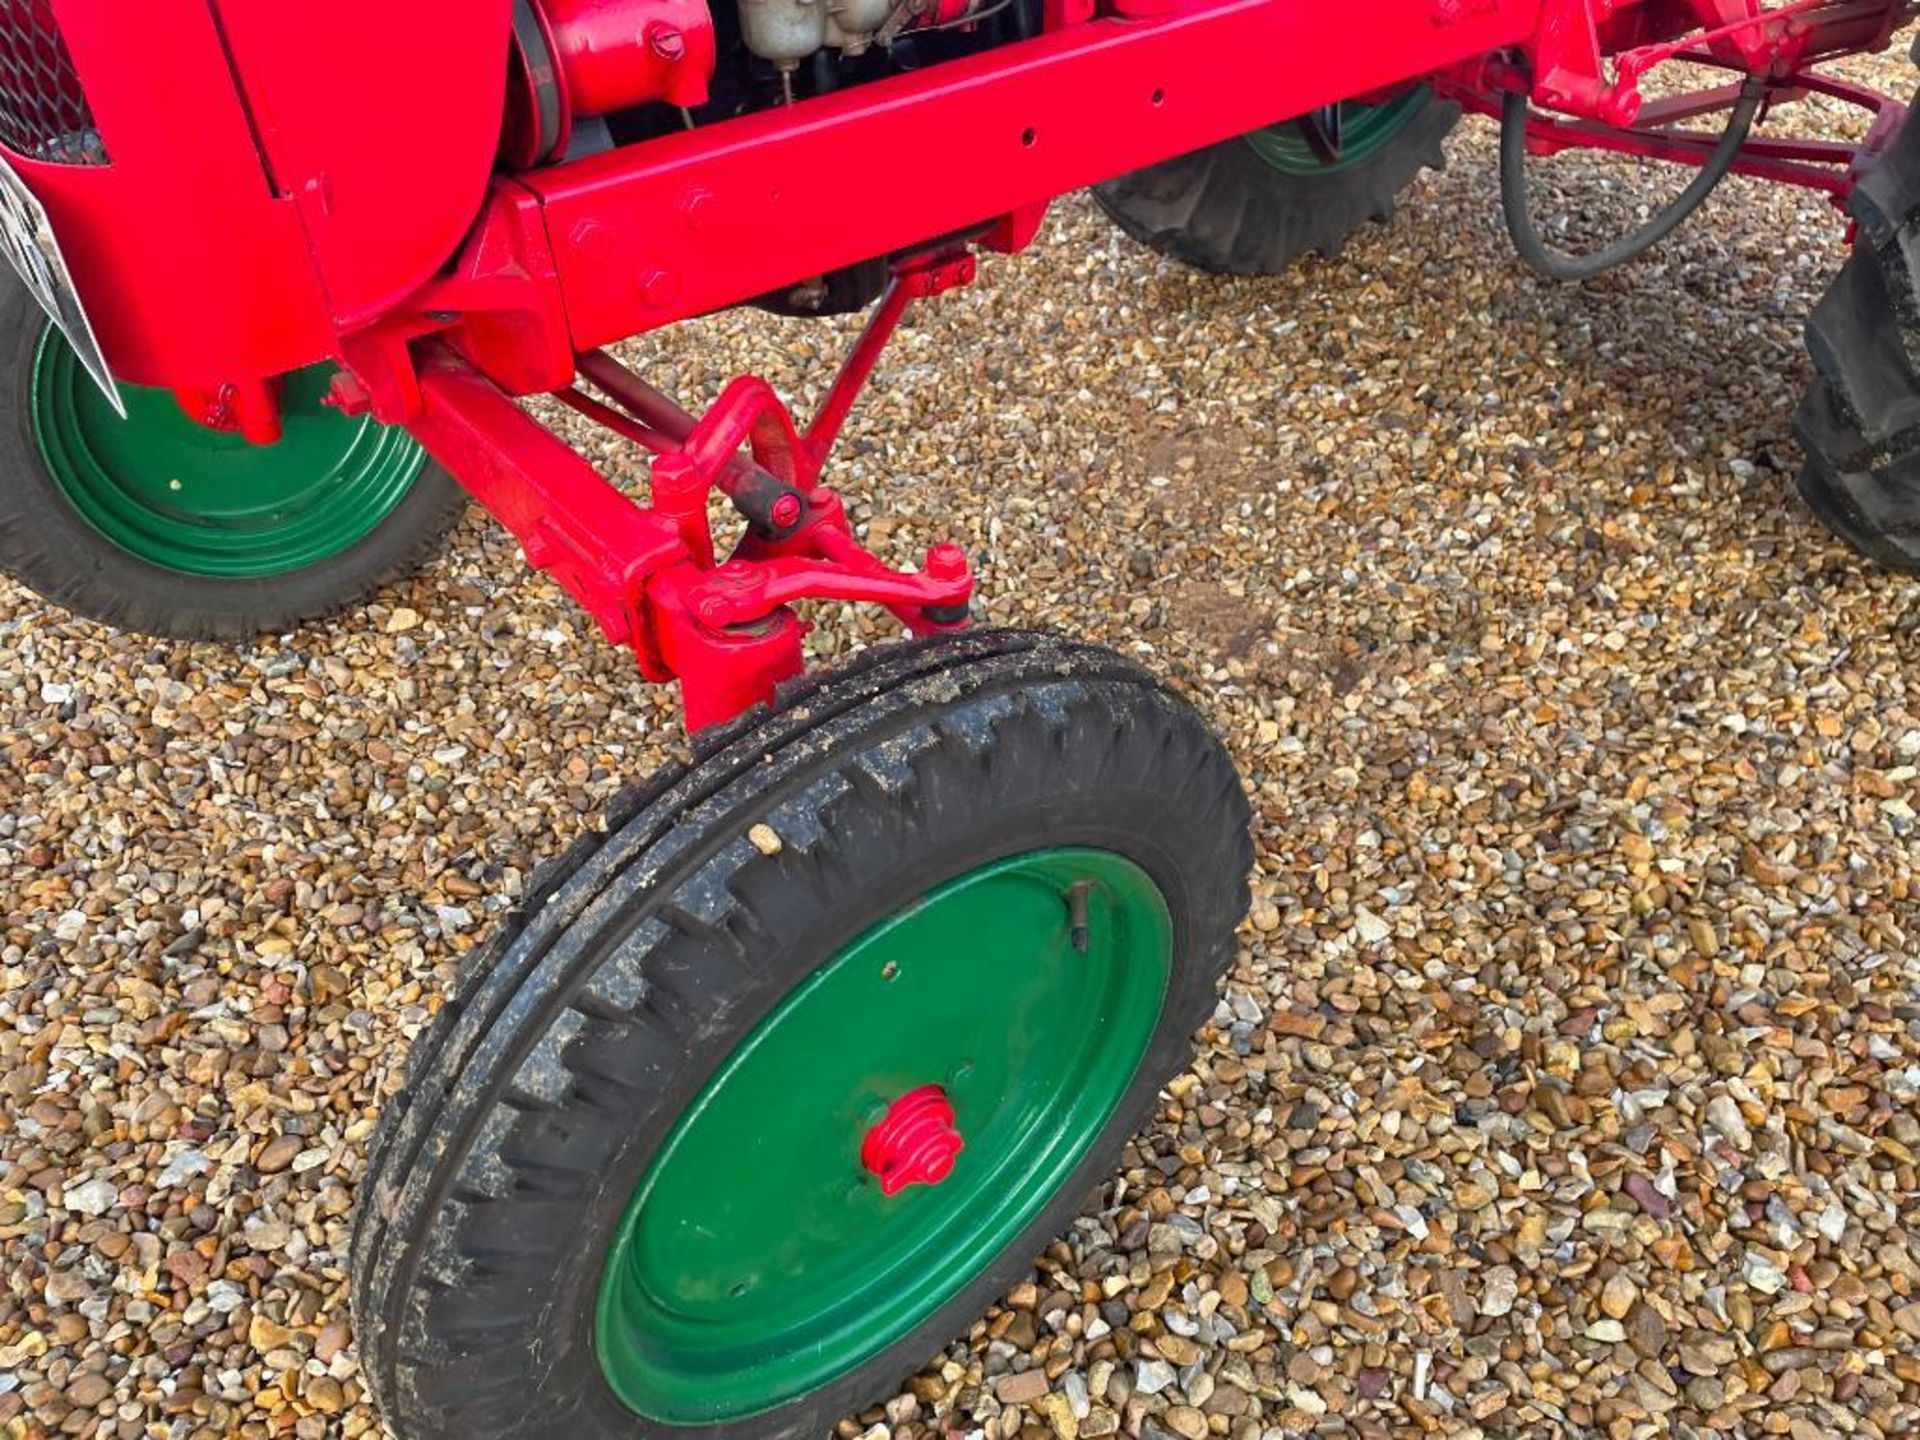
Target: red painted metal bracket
point(249, 408)
point(569, 519)
point(726, 630)
point(578, 255)
point(1567, 63)
point(1568, 53)
point(1830, 166)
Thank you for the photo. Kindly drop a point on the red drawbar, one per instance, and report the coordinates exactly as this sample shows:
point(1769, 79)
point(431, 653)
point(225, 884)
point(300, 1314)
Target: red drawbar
point(915, 1144)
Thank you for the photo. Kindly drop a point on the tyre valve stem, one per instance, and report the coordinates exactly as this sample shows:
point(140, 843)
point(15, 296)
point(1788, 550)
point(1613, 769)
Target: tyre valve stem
point(1077, 914)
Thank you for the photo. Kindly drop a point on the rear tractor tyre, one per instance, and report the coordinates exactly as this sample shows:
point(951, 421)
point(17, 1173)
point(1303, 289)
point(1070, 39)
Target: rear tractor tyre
point(156, 524)
point(767, 1092)
point(1256, 204)
point(1859, 421)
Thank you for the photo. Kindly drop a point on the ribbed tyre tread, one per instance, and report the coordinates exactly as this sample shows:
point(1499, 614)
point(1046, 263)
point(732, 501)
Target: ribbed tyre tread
point(593, 1016)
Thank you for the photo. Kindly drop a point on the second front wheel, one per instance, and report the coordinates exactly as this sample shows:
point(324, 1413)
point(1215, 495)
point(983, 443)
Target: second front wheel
point(153, 523)
point(772, 1089)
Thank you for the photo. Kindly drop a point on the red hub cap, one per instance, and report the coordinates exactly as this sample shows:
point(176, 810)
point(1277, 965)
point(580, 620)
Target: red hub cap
point(915, 1143)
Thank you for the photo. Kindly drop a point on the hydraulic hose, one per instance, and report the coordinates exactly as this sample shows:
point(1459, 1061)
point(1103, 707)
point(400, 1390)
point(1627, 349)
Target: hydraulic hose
point(1558, 265)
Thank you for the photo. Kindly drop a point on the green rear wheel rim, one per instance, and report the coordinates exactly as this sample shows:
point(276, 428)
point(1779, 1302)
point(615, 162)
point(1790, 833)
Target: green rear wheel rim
point(757, 1259)
point(201, 502)
point(1365, 130)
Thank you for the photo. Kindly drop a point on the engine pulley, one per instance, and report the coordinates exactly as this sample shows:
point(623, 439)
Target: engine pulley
point(574, 58)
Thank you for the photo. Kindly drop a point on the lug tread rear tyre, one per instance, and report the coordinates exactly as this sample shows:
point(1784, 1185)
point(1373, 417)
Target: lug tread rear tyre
point(630, 972)
point(1860, 356)
point(1224, 210)
point(1859, 420)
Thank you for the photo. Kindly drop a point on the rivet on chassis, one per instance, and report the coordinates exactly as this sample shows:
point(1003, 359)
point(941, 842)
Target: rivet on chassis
point(659, 288)
point(696, 207)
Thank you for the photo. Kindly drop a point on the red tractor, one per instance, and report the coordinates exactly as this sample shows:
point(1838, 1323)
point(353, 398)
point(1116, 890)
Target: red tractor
point(768, 1089)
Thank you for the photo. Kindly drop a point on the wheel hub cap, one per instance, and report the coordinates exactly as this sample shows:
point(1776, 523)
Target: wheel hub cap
point(915, 1144)
point(880, 1137)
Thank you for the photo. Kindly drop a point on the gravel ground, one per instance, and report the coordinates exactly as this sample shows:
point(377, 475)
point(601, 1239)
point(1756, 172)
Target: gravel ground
point(1565, 1085)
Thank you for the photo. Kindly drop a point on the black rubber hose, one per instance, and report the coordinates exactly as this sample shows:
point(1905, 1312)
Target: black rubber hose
point(1557, 265)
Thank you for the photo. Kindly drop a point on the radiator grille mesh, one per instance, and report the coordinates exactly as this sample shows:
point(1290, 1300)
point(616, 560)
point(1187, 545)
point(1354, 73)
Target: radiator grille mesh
point(43, 111)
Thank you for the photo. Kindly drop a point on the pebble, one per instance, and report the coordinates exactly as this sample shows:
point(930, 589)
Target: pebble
point(1723, 1113)
point(277, 1154)
point(1153, 1376)
point(86, 1391)
point(1707, 1355)
point(1618, 1296)
point(1762, 1274)
point(1022, 1387)
point(1501, 1289)
point(92, 1197)
point(1646, 1330)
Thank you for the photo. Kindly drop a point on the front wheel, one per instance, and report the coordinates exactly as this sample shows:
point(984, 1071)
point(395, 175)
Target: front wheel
point(768, 1092)
point(1256, 204)
point(156, 524)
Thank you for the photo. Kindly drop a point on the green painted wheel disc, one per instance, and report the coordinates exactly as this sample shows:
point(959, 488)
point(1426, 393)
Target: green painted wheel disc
point(202, 502)
point(1364, 131)
point(757, 1260)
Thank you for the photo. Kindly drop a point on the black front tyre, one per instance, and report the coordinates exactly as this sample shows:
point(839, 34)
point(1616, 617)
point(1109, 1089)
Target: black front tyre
point(156, 524)
point(670, 1160)
point(1257, 204)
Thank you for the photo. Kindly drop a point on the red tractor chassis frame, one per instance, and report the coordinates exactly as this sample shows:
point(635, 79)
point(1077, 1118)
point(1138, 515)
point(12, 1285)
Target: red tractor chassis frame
point(552, 264)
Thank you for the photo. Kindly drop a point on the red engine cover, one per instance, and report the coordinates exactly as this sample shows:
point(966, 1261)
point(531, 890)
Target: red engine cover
point(236, 229)
point(381, 122)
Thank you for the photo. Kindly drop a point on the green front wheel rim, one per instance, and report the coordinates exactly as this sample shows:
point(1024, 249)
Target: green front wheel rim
point(758, 1260)
point(206, 503)
point(1364, 131)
